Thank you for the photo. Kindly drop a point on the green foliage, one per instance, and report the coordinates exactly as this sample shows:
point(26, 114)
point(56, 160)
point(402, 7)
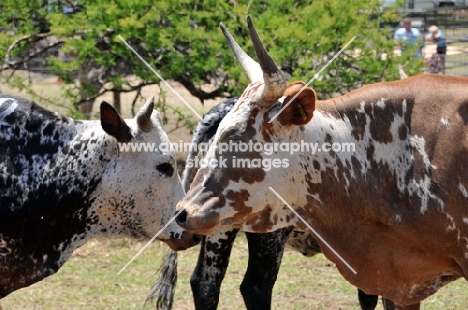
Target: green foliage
point(182, 41)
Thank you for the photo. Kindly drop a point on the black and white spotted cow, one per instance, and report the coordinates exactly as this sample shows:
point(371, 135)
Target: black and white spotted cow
point(63, 181)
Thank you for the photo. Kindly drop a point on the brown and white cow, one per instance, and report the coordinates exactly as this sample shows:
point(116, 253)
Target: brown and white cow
point(394, 206)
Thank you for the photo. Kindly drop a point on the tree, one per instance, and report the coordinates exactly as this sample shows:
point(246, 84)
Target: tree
point(81, 42)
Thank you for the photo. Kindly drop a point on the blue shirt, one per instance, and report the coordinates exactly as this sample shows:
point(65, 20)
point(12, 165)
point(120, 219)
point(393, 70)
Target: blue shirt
point(441, 43)
point(413, 36)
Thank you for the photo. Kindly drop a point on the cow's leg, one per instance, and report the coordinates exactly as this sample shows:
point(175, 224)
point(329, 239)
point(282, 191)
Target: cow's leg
point(390, 305)
point(367, 302)
point(211, 267)
point(265, 254)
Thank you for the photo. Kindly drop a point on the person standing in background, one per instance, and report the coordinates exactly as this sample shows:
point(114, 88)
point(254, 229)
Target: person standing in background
point(435, 35)
point(437, 61)
point(407, 35)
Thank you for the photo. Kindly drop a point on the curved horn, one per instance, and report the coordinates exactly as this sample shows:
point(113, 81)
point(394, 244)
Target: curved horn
point(274, 79)
point(143, 116)
point(250, 66)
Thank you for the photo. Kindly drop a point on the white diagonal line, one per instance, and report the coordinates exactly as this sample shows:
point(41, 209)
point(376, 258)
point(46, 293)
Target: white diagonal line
point(160, 77)
point(160, 231)
point(312, 79)
point(313, 230)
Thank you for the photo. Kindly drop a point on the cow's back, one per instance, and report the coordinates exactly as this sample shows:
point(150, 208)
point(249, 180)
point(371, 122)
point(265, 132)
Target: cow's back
point(437, 117)
point(434, 120)
point(44, 190)
point(32, 140)
point(410, 199)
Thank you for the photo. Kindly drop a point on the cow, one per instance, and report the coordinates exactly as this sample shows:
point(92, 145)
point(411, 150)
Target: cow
point(391, 211)
point(64, 181)
point(265, 250)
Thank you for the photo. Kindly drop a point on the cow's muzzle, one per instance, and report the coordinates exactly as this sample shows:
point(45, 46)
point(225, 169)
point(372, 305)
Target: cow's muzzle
point(195, 220)
point(187, 240)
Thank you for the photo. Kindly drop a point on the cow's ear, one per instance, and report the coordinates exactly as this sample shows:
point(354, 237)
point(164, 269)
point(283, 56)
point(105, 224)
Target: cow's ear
point(300, 110)
point(114, 124)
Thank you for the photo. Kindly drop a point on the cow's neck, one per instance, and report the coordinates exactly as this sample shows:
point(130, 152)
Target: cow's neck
point(352, 147)
point(349, 140)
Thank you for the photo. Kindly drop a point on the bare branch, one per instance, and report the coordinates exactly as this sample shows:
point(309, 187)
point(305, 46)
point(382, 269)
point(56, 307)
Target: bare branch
point(135, 99)
point(70, 3)
point(36, 37)
point(11, 74)
point(105, 90)
point(94, 96)
point(197, 92)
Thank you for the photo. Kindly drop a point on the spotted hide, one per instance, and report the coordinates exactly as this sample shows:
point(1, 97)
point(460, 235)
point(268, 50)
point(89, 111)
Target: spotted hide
point(392, 204)
point(63, 181)
point(265, 250)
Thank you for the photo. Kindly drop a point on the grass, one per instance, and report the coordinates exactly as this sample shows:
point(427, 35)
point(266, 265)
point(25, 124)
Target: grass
point(89, 280)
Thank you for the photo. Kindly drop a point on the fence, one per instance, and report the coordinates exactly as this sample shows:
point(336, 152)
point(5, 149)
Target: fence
point(453, 21)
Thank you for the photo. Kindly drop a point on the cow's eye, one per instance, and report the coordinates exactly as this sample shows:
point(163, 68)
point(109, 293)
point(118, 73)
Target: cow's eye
point(166, 169)
point(236, 139)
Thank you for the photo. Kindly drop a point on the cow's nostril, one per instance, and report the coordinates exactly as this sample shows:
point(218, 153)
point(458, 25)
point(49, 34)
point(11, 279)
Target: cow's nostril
point(181, 219)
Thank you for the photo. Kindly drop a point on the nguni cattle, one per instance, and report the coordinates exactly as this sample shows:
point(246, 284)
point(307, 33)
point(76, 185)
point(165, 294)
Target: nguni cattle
point(394, 208)
point(63, 181)
point(265, 250)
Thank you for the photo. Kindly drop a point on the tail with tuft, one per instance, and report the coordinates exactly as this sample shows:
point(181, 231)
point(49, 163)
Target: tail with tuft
point(163, 289)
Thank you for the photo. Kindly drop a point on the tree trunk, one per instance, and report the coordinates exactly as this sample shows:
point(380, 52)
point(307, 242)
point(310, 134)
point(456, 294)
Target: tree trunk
point(117, 100)
point(86, 106)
